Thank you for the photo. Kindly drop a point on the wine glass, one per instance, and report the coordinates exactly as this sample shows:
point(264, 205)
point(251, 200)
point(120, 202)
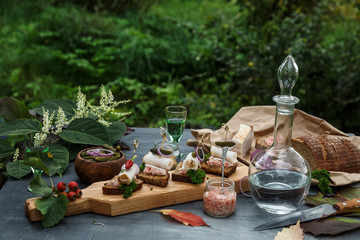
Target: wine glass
point(175, 122)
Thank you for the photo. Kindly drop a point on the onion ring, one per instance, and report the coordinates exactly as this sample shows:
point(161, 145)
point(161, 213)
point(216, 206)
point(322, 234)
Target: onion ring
point(163, 155)
point(197, 154)
point(98, 152)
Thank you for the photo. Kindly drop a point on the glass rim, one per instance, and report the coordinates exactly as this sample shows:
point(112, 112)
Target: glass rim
point(182, 109)
point(228, 183)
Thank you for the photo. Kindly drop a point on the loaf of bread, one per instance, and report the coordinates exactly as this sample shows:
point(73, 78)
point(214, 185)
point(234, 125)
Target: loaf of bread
point(329, 152)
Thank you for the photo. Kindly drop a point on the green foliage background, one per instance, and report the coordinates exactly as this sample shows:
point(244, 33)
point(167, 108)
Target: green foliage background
point(212, 56)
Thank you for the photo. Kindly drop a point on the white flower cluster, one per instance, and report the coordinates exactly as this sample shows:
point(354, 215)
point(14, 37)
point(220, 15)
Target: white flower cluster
point(105, 113)
point(60, 122)
point(16, 154)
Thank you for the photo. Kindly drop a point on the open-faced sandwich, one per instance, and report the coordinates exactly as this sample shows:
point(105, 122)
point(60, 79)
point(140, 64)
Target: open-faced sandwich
point(126, 182)
point(213, 163)
point(155, 168)
point(189, 170)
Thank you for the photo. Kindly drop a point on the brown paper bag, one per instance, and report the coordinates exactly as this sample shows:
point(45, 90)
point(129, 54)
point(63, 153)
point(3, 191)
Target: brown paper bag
point(262, 118)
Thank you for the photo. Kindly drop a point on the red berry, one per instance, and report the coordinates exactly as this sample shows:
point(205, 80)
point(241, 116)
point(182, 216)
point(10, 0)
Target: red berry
point(73, 186)
point(61, 186)
point(71, 196)
point(129, 164)
point(63, 193)
point(78, 193)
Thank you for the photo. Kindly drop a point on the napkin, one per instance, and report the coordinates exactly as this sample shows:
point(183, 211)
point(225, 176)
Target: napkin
point(262, 119)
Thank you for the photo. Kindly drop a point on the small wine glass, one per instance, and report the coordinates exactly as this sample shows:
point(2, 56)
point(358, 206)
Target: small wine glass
point(175, 122)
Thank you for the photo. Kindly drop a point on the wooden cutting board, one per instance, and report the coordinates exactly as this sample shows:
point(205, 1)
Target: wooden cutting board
point(148, 197)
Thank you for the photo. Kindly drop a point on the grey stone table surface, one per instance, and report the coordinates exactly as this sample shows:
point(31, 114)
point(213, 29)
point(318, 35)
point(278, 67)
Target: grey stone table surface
point(143, 225)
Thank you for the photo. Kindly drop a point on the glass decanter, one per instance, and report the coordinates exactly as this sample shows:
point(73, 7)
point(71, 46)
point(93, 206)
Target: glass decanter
point(279, 177)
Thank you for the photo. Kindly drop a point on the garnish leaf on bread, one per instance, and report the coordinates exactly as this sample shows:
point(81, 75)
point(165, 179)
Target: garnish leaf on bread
point(129, 188)
point(197, 176)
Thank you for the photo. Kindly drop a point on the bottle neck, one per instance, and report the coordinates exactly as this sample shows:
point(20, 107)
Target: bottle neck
point(283, 124)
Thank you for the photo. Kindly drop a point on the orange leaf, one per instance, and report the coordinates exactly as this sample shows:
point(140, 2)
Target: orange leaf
point(184, 217)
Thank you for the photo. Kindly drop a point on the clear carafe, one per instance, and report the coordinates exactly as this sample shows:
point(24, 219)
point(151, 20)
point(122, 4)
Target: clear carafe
point(279, 177)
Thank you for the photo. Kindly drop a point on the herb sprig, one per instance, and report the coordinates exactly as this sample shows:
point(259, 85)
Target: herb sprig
point(196, 176)
point(323, 176)
point(129, 188)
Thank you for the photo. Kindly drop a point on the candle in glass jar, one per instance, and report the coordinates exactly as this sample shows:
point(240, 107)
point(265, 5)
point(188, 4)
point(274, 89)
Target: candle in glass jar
point(219, 201)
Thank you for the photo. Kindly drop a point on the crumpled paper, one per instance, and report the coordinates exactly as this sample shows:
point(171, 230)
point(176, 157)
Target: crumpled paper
point(262, 118)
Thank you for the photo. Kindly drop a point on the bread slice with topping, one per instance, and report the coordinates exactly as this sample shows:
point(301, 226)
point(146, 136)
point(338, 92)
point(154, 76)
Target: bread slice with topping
point(115, 190)
point(157, 180)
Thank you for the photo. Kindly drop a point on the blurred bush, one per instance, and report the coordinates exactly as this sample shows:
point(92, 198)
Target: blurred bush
point(212, 56)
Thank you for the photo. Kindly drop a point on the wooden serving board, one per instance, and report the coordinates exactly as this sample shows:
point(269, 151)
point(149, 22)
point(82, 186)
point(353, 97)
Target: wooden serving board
point(148, 197)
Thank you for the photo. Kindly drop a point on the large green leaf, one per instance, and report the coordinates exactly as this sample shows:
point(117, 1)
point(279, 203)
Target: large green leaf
point(86, 131)
point(40, 187)
point(53, 105)
point(60, 156)
point(17, 169)
point(11, 108)
point(53, 209)
point(6, 149)
point(37, 163)
point(116, 131)
point(20, 127)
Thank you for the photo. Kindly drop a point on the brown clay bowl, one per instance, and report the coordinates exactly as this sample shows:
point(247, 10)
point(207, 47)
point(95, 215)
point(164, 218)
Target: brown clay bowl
point(90, 172)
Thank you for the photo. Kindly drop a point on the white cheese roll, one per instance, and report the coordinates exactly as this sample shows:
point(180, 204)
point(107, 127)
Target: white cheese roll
point(157, 161)
point(230, 155)
point(126, 176)
point(190, 162)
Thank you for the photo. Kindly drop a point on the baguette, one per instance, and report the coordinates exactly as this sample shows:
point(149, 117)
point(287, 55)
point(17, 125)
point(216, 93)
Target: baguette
point(328, 152)
point(108, 190)
point(216, 170)
point(177, 176)
point(160, 181)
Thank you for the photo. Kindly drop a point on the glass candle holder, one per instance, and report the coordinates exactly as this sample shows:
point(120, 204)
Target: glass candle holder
point(219, 201)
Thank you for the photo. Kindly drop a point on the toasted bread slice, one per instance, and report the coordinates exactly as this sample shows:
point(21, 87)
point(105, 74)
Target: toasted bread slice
point(216, 170)
point(117, 191)
point(177, 176)
point(160, 181)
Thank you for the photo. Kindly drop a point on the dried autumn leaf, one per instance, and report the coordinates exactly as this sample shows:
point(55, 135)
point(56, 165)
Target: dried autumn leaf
point(293, 232)
point(184, 217)
point(332, 226)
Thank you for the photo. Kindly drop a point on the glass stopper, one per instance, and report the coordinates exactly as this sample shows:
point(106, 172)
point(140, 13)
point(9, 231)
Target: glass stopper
point(288, 74)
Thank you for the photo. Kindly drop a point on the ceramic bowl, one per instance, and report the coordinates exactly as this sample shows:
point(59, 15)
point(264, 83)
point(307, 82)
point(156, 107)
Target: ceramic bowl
point(91, 171)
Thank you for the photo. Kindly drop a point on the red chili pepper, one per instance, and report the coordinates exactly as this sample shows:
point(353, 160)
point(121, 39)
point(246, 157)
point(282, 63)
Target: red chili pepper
point(129, 164)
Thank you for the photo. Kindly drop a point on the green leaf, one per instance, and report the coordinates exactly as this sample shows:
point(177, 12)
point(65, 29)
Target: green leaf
point(196, 176)
point(68, 107)
point(17, 169)
point(86, 131)
point(320, 199)
point(52, 208)
point(11, 108)
point(60, 156)
point(40, 187)
point(129, 188)
point(6, 149)
point(37, 163)
point(116, 131)
point(20, 127)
